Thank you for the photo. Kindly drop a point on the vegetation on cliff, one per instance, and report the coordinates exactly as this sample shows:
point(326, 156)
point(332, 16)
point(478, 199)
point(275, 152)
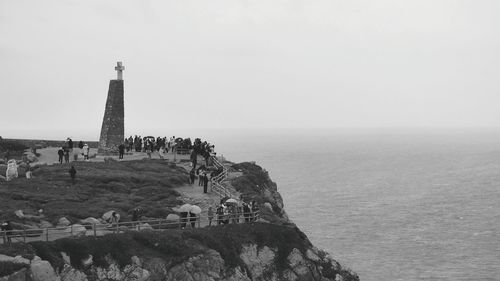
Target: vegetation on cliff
point(99, 187)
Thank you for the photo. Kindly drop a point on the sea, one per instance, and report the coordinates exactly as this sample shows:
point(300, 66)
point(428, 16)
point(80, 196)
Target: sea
point(388, 204)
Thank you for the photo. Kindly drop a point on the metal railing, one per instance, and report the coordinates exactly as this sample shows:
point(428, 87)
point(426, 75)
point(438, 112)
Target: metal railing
point(54, 233)
point(217, 181)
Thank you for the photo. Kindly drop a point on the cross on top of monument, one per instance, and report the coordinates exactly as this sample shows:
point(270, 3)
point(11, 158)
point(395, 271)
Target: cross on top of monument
point(119, 69)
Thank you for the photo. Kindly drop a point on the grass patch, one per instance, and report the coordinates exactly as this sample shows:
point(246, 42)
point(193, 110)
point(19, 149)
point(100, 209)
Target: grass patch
point(99, 187)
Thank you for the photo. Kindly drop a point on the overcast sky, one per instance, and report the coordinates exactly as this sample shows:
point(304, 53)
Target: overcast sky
point(248, 64)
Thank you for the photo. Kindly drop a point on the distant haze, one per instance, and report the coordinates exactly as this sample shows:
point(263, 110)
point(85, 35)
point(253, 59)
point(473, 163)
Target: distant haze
point(248, 64)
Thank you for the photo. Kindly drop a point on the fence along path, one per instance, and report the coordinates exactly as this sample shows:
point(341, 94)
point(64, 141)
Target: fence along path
point(218, 181)
point(54, 233)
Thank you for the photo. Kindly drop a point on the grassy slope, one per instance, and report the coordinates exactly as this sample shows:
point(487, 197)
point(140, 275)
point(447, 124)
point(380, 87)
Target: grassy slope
point(99, 187)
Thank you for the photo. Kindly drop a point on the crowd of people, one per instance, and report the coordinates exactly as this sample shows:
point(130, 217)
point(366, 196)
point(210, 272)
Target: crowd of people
point(66, 150)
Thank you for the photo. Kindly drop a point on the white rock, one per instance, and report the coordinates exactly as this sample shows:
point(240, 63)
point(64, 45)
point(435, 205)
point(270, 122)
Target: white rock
point(268, 205)
point(76, 229)
point(63, 222)
point(90, 220)
point(173, 217)
point(88, 261)
point(45, 224)
point(43, 271)
point(145, 226)
point(66, 258)
point(19, 214)
point(312, 255)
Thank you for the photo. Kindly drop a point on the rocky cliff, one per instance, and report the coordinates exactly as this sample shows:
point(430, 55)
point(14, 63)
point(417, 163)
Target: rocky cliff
point(270, 249)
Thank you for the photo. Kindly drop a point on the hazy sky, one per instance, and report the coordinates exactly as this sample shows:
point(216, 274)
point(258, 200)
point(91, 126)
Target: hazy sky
point(248, 64)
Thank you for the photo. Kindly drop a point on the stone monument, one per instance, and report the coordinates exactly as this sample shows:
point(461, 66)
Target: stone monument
point(113, 128)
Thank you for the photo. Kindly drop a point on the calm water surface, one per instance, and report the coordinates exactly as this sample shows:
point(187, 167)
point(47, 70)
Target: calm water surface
point(391, 206)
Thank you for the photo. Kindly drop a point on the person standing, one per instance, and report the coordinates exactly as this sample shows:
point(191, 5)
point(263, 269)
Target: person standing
point(194, 158)
point(210, 214)
point(121, 150)
point(66, 156)
point(72, 174)
point(86, 152)
point(192, 176)
point(60, 152)
point(80, 144)
point(205, 182)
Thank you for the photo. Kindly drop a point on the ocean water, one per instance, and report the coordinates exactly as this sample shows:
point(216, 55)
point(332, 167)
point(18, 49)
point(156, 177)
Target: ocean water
point(406, 205)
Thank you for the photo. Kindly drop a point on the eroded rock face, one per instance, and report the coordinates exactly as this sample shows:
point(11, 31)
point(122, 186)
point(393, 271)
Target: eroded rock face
point(42, 271)
point(257, 261)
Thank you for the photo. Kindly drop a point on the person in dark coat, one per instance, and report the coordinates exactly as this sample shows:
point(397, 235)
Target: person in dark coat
point(135, 215)
point(60, 152)
point(80, 144)
point(66, 156)
point(121, 150)
point(192, 219)
point(194, 158)
point(72, 174)
point(7, 227)
point(192, 176)
point(205, 183)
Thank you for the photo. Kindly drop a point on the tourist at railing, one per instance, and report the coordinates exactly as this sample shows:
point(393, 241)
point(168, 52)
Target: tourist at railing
point(210, 214)
point(7, 232)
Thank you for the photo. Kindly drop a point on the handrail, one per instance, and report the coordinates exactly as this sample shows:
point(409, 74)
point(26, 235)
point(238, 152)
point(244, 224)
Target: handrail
point(53, 233)
point(217, 181)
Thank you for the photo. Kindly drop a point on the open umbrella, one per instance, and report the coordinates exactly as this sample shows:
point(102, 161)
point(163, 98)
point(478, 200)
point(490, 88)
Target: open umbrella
point(232, 201)
point(183, 208)
point(195, 210)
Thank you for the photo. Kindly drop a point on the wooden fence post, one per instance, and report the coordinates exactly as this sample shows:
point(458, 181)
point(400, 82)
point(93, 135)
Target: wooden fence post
point(46, 234)
point(95, 230)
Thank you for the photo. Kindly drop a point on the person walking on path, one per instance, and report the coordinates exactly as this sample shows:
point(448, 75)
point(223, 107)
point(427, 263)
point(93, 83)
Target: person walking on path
point(66, 156)
point(194, 158)
point(210, 214)
point(205, 182)
point(60, 152)
point(121, 150)
point(192, 176)
point(86, 152)
point(72, 174)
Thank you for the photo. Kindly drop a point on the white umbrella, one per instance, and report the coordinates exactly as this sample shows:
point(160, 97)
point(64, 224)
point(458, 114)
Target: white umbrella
point(183, 208)
point(232, 200)
point(195, 210)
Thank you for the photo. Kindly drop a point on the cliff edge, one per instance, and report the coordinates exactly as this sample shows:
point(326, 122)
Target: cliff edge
point(273, 248)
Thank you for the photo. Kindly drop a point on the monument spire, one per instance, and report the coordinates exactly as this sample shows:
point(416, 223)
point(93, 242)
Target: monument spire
point(119, 70)
point(113, 127)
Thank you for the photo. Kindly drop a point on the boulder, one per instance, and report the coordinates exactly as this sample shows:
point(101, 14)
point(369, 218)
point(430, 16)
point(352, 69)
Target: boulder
point(88, 261)
point(63, 222)
point(45, 224)
point(268, 205)
point(42, 271)
point(76, 229)
point(19, 275)
point(173, 217)
point(145, 226)
point(70, 274)
point(90, 220)
point(19, 214)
